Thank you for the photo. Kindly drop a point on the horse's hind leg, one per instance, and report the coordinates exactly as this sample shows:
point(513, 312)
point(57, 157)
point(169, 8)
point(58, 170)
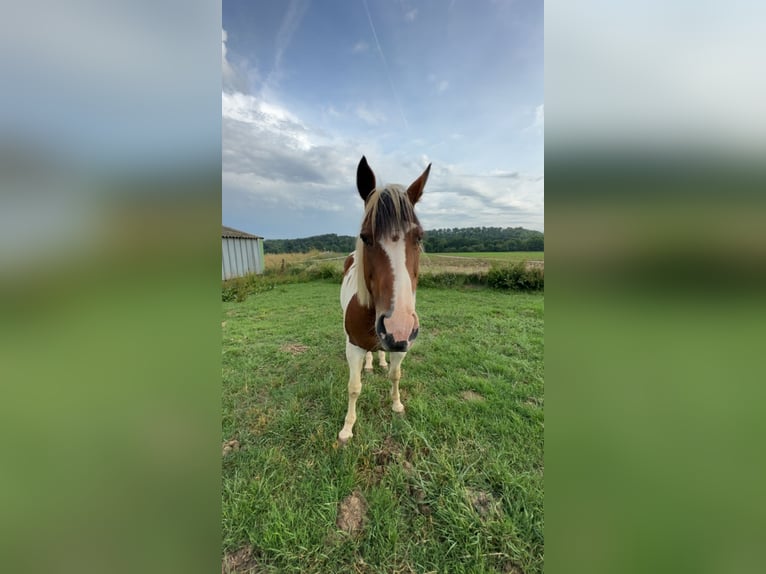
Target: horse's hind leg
point(355, 357)
point(368, 361)
point(395, 373)
point(381, 359)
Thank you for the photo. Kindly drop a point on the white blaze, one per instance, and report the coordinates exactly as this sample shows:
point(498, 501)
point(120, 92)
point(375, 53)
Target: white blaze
point(402, 321)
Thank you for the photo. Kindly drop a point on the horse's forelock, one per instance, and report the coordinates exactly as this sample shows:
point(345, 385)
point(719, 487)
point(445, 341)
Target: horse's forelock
point(389, 212)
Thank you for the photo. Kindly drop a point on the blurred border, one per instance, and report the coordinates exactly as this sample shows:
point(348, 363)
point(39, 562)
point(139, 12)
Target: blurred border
point(655, 141)
point(110, 158)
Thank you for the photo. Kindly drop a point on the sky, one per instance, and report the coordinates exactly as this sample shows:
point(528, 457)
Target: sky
point(309, 86)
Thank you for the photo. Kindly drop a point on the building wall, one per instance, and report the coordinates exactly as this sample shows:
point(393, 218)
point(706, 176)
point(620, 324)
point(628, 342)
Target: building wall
point(241, 256)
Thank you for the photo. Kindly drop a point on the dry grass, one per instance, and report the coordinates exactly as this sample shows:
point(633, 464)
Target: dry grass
point(275, 262)
point(429, 262)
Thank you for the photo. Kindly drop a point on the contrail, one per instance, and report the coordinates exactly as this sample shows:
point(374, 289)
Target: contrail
point(385, 66)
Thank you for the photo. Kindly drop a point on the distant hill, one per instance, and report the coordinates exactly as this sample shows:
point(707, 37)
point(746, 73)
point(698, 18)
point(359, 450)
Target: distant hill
point(327, 242)
point(436, 241)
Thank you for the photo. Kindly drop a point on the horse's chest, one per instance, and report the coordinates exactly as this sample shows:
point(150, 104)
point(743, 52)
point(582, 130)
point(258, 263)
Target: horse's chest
point(360, 326)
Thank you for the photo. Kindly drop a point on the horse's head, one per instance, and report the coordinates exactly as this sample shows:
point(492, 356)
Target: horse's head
point(388, 256)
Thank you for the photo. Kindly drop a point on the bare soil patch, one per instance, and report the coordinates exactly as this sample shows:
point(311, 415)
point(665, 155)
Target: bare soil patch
point(294, 348)
point(352, 513)
point(483, 503)
point(240, 562)
point(230, 446)
point(472, 396)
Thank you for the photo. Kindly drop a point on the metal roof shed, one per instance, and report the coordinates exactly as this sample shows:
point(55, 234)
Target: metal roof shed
point(242, 253)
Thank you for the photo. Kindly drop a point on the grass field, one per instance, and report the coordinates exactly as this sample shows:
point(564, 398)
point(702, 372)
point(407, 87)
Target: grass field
point(497, 255)
point(453, 485)
point(429, 262)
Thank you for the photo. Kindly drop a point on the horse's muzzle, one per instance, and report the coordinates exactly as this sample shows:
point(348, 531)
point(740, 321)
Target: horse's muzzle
point(387, 340)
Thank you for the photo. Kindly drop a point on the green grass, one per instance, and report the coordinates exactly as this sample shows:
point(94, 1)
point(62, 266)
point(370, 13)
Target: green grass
point(453, 485)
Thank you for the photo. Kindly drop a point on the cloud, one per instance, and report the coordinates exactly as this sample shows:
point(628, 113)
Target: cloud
point(360, 47)
point(498, 198)
point(231, 78)
point(439, 85)
point(271, 157)
point(267, 141)
point(507, 174)
point(284, 177)
point(372, 117)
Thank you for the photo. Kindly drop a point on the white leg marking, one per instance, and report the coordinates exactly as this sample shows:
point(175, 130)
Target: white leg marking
point(368, 361)
point(355, 357)
point(382, 359)
point(395, 373)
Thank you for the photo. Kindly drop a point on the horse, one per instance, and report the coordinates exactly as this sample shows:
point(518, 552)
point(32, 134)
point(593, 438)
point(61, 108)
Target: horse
point(379, 282)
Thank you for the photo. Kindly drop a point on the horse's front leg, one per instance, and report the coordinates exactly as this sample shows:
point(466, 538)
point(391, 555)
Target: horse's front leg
point(395, 373)
point(381, 359)
point(355, 357)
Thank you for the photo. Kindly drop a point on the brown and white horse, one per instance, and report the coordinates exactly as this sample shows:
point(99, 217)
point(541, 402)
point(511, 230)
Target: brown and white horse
point(379, 283)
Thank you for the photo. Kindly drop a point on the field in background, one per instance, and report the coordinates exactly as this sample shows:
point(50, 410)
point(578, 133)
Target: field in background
point(497, 255)
point(429, 262)
point(453, 485)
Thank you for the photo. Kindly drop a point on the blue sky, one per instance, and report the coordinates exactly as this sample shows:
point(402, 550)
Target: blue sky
point(309, 86)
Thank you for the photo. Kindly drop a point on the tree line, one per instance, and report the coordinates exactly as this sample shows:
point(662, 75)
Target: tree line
point(435, 241)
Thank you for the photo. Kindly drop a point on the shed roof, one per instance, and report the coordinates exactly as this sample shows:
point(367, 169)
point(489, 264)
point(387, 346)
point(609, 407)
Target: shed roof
point(231, 232)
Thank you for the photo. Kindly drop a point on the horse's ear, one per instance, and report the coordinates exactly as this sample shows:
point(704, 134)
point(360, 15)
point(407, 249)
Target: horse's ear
point(416, 188)
point(365, 179)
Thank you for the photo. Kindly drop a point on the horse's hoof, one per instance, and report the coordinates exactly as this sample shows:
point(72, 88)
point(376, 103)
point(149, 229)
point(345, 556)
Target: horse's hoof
point(397, 407)
point(343, 438)
point(368, 370)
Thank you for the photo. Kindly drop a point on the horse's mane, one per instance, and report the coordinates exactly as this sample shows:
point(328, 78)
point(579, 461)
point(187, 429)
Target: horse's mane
point(387, 212)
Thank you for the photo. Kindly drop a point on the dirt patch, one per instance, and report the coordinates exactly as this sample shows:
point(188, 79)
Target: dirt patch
point(419, 496)
point(230, 446)
point(352, 513)
point(472, 396)
point(240, 562)
point(293, 348)
point(512, 568)
point(387, 452)
point(483, 503)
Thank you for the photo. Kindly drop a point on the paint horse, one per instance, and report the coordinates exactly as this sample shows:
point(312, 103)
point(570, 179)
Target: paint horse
point(379, 282)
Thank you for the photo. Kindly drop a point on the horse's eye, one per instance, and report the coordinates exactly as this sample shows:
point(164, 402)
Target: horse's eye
point(366, 239)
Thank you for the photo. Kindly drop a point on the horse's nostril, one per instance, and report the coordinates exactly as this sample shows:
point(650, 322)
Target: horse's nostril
point(380, 327)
